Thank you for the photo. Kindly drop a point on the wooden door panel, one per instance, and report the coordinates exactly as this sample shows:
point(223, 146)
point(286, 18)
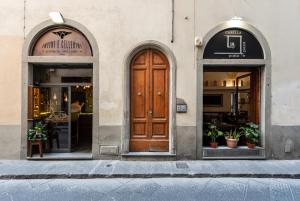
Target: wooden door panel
point(139, 145)
point(149, 102)
point(141, 59)
point(139, 130)
point(158, 58)
point(139, 93)
point(139, 79)
point(159, 130)
point(255, 96)
point(30, 102)
point(159, 145)
point(159, 93)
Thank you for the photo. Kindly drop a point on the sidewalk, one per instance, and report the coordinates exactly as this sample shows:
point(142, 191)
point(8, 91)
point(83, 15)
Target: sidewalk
point(23, 169)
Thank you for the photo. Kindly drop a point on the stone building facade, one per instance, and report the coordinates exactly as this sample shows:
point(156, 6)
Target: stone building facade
point(173, 48)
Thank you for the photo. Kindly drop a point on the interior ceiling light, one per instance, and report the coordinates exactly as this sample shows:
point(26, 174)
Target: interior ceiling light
point(56, 17)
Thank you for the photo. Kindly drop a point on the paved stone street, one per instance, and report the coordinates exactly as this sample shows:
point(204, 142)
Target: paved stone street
point(181, 189)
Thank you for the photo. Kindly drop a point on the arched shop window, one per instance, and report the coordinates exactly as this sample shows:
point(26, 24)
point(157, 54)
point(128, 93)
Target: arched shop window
point(232, 90)
point(61, 90)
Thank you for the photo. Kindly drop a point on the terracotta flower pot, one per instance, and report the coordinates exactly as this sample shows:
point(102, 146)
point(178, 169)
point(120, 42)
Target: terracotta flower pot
point(232, 143)
point(250, 145)
point(213, 144)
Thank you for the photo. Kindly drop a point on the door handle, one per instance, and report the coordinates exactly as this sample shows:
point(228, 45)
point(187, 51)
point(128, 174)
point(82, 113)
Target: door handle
point(150, 111)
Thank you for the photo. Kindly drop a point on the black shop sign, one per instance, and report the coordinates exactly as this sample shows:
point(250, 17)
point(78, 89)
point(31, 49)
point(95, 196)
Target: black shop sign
point(233, 44)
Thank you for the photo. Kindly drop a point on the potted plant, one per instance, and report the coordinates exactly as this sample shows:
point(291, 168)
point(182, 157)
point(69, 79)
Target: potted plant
point(213, 133)
point(38, 132)
point(251, 132)
point(232, 137)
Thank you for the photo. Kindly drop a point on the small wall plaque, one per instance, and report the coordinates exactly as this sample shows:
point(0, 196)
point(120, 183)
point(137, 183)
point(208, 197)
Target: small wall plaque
point(181, 106)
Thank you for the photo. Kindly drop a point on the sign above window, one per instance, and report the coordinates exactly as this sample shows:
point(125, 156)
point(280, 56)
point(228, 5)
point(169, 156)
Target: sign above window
point(62, 42)
point(233, 44)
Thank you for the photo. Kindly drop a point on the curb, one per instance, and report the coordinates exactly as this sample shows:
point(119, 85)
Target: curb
point(167, 175)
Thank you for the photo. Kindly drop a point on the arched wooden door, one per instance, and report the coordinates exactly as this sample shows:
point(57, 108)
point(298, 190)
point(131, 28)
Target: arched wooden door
point(149, 102)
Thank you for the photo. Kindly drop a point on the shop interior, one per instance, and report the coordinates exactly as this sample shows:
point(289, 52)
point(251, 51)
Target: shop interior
point(61, 97)
point(231, 97)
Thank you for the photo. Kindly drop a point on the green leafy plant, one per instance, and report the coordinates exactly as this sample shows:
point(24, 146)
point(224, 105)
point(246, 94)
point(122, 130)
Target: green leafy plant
point(233, 134)
point(38, 132)
point(251, 131)
point(213, 132)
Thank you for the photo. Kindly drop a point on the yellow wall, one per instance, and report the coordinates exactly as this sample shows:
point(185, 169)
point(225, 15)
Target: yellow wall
point(10, 79)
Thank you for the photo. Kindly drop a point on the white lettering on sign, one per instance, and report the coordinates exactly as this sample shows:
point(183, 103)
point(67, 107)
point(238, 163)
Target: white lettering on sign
point(233, 32)
point(62, 42)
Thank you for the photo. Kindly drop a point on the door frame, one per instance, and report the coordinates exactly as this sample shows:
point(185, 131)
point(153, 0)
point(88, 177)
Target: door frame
point(264, 64)
point(27, 73)
point(125, 133)
point(69, 87)
point(69, 111)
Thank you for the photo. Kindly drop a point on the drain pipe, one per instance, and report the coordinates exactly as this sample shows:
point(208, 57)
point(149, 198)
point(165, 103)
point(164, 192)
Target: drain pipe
point(172, 39)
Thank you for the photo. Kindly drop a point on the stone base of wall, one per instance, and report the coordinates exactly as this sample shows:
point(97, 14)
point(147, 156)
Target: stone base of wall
point(186, 142)
point(284, 142)
point(109, 143)
point(10, 142)
point(241, 152)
